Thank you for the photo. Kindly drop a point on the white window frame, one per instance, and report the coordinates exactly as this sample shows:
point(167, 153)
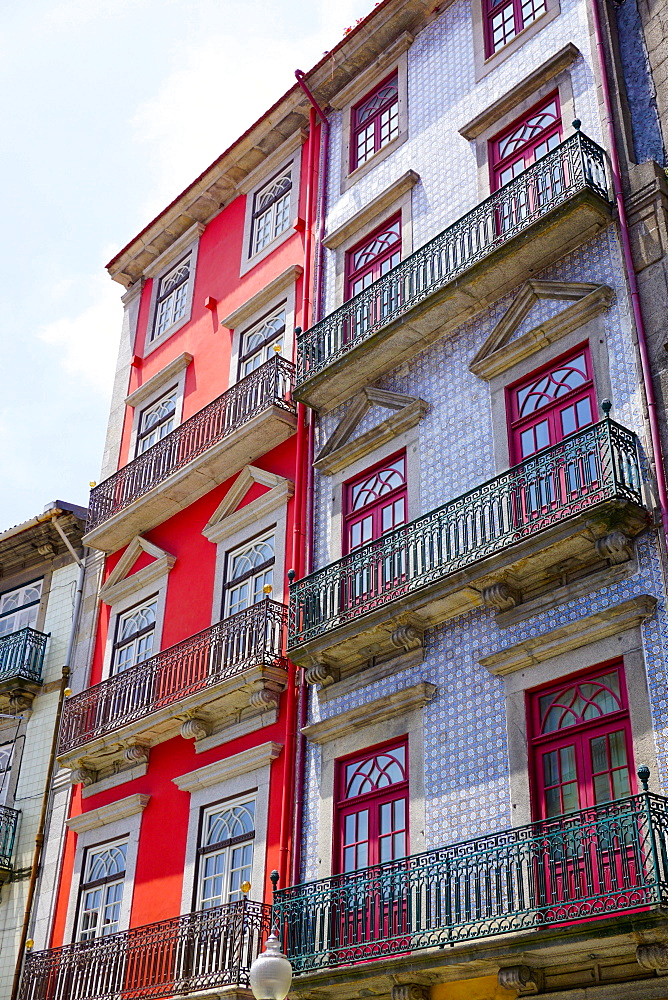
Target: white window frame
point(272, 168)
point(174, 299)
point(23, 607)
point(228, 848)
point(186, 246)
point(6, 764)
point(145, 434)
point(104, 886)
point(228, 583)
point(266, 349)
point(172, 376)
point(284, 300)
point(133, 639)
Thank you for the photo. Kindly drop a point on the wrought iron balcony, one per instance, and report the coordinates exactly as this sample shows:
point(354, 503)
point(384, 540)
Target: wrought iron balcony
point(574, 168)
point(194, 668)
point(608, 860)
point(188, 954)
point(268, 387)
point(588, 469)
point(22, 656)
point(9, 820)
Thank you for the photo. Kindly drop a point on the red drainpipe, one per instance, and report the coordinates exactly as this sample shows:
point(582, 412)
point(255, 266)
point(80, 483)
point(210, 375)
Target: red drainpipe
point(655, 438)
point(299, 528)
point(300, 766)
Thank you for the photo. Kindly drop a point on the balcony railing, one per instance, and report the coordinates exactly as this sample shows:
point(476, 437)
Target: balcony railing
point(250, 638)
point(188, 954)
point(603, 861)
point(9, 820)
point(22, 655)
point(588, 468)
point(577, 164)
point(269, 385)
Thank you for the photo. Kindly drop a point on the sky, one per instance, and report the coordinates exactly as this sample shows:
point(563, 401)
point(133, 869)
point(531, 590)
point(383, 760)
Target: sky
point(111, 107)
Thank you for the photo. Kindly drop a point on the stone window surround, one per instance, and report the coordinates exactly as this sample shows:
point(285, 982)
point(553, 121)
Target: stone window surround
point(171, 376)
point(552, 75)
point(288, 153)
point(485, 64)
point(628, 646)
point(118, 821)
point(285, 298)
point(243, 774)
point(395, 57)
point(384, 719)
point(30, 575)
point(188, 243)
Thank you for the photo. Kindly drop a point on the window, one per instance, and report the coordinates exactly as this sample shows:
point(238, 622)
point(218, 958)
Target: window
point(550, 404)
point(372, 806)
point(582, 742)
point(102, 891)
point(375, 503)
point(19, 608)
point(172, 299)
point(261, 342)
point(374, 257)
point(506, 18)
point(135, 630)
point(271, 211)
point(250, 569)
point(525, 141)
point(156, 421)
point(226, 853)
point(6, 753)
point(375, 121)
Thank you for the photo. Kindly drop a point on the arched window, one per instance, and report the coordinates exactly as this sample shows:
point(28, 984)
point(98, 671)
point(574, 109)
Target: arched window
point(225, 853)
point(249, 569)
point(102, 891)
point(374, 257)
point(375, 121)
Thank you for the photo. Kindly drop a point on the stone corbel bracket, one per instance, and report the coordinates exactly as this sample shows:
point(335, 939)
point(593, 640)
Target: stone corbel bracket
point(653, 957)
point(410, 991)
point(520, 978)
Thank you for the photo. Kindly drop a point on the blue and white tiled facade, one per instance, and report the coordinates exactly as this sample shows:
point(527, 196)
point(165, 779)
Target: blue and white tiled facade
point(466, 754)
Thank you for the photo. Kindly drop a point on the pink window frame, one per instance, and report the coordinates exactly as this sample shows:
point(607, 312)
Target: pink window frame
point(517, 424)
point(373, 800)
point(375, 265)
point(525, 152)
point(351, 517)
point(579, 733)
point(489, 12)
point(355, 129)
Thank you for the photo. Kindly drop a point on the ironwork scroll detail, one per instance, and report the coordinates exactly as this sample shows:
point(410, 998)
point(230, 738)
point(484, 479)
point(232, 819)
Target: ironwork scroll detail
point(22, 655)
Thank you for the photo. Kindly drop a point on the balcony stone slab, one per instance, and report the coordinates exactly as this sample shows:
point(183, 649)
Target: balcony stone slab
point(528, 567)
point(545, 241)
point(263, 432)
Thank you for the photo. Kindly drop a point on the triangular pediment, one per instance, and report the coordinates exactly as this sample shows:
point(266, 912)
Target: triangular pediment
point(229, 517)
point(125, 578)
point(343, 446)
point(540, 313)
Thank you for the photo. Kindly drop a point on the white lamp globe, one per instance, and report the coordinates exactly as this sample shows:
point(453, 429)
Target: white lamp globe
point(271, 973)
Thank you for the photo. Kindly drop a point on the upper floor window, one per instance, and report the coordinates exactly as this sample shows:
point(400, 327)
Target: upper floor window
point(156, 421)
point(250, 568)
point(172, 299)
point(261, 342)
point(6, 754)
point(271, 210)
point(375, 503)
point(102, 891)
point(506, 18)
point(372, 807)
point(225, 853)
point(375, 121)
point(135, 630)
point(19, 607)
point(374, 257)
point(550, 404)
point(525, 141)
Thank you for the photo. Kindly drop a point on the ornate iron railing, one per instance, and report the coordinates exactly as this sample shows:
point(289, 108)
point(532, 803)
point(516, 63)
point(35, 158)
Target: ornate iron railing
point(9, 821)
point(575, 165)
point(268, 385)
point(602, 861)
point(249, 638)
point(188, 954)
point(588, 468)
point(22, 655)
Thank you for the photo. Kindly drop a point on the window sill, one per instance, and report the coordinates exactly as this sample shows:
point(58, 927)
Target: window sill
point(355, 175)
point(486, 64)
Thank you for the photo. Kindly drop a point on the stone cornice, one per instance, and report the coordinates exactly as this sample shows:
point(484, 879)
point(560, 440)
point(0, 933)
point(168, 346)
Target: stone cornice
point(398, 703)
point(95, 818)
point(379, 204)
point(251, 513)
point(158, 380)
point(229, 767)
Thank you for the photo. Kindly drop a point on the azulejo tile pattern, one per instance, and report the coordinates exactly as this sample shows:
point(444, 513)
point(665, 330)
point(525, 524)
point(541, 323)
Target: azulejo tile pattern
point(465, 742)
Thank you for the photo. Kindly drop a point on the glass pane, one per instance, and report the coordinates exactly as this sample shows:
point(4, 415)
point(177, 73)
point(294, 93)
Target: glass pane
point(568, 422)
point(363, 826)
point(386, 817)
point(583, 408)
point(349, 859)
point(571, 797)
point(542, 434)
point(399, 845)
point(617, 748)
point(567, 759)
point(599, 754)
point(602, 788)
point(399, 814)
point(552, 802)
point(551, 768)
point(620, 783)
point(349, 829)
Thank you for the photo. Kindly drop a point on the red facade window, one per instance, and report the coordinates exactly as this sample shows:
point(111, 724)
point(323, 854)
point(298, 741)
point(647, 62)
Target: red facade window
point(581, 744)
point(375, 502)
point(551, 403)
point(525, 141)
point(375, 121)
point(506, 18)
point(374, 257)
point(372, 807)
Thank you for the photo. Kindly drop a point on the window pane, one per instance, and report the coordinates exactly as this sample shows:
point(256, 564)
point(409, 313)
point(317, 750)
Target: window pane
point(617, 748)
point(599, 754)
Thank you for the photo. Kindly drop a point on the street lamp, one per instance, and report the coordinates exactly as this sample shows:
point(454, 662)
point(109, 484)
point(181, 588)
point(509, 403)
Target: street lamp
point(271, 972)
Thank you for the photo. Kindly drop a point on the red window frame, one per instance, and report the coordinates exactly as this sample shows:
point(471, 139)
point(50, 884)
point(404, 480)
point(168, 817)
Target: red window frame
point(506, 20)
point(374, 126)
point(375, 511)
point(549, 418)
point(372, 801)
point(580, 735)
point(373, 256)
point(536, 135)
